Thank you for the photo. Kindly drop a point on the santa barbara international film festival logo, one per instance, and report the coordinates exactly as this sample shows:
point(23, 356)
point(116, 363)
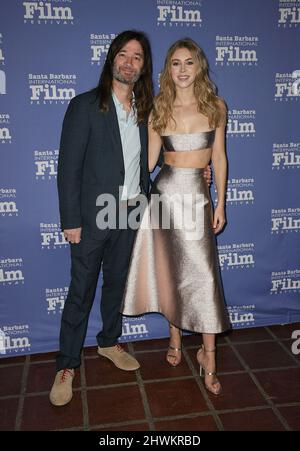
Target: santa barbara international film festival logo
point(241, 315)
point(51, 12)
point(134, 328)
point(236, 256)
point(286, 156)
point(178, 13)
point(14, 339)
point(51, 88)
point(289, 13)
point(241, 123)
point(11, 271)
point(8, 202)
point(99, 44)
point(287, 86)
point(239, 191)
point(45, 162)
point(52, 236)
point(285, 220)
point(236, 50)
point(55, 299)
point(285, 282)
point(5, 134)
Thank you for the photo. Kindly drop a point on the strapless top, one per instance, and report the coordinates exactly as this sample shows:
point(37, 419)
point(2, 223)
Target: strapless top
point(188, 141)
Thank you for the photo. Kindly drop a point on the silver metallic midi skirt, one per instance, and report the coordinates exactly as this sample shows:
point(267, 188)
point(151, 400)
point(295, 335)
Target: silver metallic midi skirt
point(174, 268)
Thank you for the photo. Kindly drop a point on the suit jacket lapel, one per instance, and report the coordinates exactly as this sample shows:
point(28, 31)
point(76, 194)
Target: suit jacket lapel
point(113, 128)
point(144, 146)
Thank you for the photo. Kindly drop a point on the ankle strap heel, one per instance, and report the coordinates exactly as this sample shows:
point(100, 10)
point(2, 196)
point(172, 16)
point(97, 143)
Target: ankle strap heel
point(210, 388)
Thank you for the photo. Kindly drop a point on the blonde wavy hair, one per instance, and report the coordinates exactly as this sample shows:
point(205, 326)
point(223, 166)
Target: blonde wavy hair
point(204, 89)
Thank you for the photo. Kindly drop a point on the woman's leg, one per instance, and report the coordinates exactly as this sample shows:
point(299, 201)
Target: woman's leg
point(174, 350)
point(206, 357)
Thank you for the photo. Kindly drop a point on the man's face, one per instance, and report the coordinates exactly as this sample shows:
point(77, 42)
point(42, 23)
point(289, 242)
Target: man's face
point(128, 63)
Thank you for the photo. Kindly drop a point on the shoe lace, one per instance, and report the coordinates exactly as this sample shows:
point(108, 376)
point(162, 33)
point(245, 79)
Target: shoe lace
point(65, 374)
point(119, 348)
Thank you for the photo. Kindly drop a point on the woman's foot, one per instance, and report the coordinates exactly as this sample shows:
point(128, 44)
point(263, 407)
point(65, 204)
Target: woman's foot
point(207, 362)
point(174, 351)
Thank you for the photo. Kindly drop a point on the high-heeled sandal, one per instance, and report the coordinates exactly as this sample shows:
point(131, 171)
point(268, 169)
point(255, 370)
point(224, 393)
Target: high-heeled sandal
point(209, 373)
point(174, 349)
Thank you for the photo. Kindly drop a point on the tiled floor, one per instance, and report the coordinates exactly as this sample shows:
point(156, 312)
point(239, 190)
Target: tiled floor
point(259, 373)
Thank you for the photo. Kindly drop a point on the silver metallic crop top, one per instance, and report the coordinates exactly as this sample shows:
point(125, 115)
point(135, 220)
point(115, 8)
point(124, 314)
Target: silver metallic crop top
point(188, 141)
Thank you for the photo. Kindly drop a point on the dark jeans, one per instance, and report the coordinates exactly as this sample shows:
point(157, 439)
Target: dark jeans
point(113, 252)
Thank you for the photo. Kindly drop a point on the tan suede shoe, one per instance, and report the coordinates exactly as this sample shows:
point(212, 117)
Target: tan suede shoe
point(119, 357)
point(61, 392)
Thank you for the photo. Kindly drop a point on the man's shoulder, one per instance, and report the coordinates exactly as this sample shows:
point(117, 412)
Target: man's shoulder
point(85, 98)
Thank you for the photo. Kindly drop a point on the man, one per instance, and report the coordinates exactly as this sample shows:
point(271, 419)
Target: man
point(103, 147)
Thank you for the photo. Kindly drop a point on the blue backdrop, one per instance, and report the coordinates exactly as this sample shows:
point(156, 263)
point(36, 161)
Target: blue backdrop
point(53, 50)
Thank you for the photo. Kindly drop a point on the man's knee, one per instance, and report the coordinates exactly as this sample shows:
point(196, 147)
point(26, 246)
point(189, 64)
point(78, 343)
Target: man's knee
point(73, 314)
point(115, 280)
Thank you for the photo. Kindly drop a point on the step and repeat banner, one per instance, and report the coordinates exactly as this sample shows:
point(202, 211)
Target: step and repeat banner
point(52, 50)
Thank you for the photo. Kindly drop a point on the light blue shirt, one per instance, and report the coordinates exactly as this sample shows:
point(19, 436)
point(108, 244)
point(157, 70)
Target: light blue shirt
point(131, 146)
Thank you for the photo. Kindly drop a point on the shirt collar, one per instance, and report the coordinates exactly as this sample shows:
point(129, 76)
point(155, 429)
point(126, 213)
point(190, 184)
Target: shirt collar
point(118, 103)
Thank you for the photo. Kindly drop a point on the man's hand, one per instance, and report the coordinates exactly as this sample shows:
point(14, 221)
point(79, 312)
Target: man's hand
point(207, 174)
point(73, 235)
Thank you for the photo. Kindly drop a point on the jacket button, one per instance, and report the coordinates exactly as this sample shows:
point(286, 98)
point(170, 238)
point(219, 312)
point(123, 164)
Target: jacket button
point(122, 172)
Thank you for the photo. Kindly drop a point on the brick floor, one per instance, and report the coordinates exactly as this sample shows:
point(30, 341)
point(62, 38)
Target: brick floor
point(259, 373)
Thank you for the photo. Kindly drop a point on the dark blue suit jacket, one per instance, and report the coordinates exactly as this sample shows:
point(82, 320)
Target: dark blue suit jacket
point(91, 161)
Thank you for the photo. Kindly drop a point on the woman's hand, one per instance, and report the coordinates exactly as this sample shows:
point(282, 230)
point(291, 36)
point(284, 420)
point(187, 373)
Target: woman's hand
point(219, 219)
point(207, 174)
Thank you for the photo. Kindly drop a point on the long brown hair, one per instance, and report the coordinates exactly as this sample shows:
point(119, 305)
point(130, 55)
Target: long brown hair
point(204, 89)
point(143, 88)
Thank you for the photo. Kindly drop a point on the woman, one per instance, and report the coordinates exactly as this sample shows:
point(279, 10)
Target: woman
point(174, 267)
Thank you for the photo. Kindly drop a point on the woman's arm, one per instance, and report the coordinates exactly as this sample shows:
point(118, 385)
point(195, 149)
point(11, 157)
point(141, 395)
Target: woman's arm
point(219, 162)
point(154, 146)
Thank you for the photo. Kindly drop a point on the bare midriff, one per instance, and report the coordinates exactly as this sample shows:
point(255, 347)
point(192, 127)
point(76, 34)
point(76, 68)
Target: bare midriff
point(188, 159)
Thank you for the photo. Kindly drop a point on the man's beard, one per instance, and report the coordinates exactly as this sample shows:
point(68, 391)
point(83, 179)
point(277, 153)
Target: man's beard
point(127, 81)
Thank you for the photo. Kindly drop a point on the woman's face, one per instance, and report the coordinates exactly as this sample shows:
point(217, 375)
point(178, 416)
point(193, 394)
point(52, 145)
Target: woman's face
point(184, 68)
